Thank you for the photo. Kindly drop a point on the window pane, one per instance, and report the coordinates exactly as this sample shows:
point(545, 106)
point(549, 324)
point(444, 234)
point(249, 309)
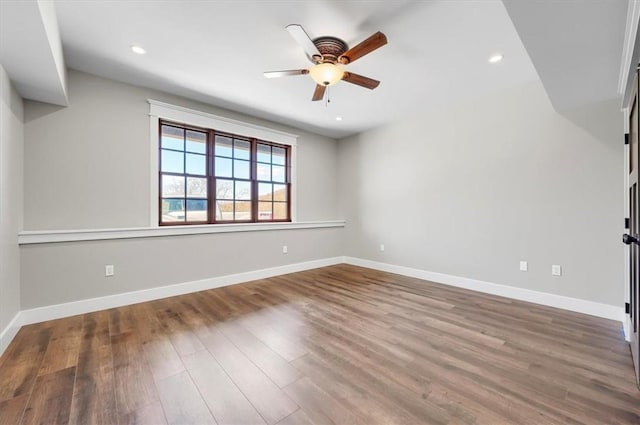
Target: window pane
point(242, 187)
point(196, 164)
point(172, 162)
point(264, 172)
point(172, 186)
point(196, 187)
point(241, 149)
point(265, 211)
point(224, 189)
point(197, 210)
point(264, 153)
point(279, 192)
point(279, 210)
point(224, 210)
point(196, 141)
point(223, 167)
point(243, 190)
point(279, 155)
point(224, 146)
point(265, 191)
point(172, 138)
point(243, 210)
point(172, 210)
point(278, 173)
point(241, 169)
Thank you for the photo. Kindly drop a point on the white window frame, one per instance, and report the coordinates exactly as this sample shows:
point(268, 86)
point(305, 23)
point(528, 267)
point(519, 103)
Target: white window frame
point(178, 114)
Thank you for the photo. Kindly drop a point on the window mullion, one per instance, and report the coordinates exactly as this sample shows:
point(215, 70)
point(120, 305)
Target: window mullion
point(254, 177)
point(184, 170)
point(211, 188)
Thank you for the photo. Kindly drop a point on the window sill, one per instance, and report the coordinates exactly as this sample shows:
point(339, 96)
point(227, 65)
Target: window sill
point(30, 237)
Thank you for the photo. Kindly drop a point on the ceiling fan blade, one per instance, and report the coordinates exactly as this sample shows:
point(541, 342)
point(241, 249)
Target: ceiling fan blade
point(300, 36)
point(372, 43)
point(318, 94)
point(276, 74)
point(360, 80)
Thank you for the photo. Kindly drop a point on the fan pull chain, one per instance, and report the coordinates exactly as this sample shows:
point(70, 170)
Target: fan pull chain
point(328, 97)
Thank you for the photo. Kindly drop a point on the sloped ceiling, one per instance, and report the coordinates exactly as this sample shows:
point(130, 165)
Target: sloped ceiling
point(576, 47)
point(31, 50)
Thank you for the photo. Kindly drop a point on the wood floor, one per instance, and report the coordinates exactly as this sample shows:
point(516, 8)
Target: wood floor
point(337, 345)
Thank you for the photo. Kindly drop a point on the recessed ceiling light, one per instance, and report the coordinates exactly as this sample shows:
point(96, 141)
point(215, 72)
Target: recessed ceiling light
point(138, 50)
point(496, 58)
point(338, 118)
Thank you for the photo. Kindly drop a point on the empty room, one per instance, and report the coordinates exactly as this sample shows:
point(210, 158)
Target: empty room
point(319, 212)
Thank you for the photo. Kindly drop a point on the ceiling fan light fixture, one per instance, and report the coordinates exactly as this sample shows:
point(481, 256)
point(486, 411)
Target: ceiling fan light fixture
point(326, 74)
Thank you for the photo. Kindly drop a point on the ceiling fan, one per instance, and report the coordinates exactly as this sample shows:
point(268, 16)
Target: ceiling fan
point(327, 53)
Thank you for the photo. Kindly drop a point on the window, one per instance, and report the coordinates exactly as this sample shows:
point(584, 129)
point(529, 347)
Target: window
point(208, 176)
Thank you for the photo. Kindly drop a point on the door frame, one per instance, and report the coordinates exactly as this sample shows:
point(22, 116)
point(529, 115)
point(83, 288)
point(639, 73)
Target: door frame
point(627, 328)
point(632, 334)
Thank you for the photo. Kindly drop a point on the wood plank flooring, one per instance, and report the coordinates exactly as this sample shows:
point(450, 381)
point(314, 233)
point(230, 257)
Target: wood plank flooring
point(336, 345)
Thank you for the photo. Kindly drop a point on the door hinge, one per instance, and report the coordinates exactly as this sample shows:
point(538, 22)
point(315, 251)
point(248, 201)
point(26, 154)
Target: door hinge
point(626, 138)
point(626, 223)
point(627, 308)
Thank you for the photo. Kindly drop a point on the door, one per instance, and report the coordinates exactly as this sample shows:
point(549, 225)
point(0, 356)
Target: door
point(633, 238)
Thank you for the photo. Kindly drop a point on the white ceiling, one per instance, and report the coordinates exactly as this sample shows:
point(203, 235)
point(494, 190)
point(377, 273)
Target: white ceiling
point(216, 51)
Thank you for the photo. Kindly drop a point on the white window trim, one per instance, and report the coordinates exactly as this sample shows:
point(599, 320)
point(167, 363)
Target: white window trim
point(179, 114)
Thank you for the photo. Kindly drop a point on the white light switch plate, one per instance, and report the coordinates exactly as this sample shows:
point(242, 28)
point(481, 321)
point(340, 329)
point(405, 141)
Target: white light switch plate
point(556, 270)
point(109, 270)
point(524, 266)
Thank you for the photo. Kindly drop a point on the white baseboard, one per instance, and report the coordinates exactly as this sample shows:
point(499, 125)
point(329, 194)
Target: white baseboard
point(559, 301)
point(9, 332)
point(57, 311)
point(626, 325)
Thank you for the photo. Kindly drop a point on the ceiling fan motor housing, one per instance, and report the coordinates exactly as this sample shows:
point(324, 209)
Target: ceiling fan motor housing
point(331, 48)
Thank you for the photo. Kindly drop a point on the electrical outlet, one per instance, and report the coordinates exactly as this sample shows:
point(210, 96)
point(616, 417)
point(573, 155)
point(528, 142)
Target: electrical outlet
point(381, 247)
point(524, 266)
point(556, 270)
point(285, 249)
point(109, 270)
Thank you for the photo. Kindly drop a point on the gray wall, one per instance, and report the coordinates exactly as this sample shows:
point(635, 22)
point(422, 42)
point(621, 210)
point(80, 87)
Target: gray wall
point(11, 164)
point(63, 272)
point(87, 166)
point(473, 189)
point(469, 190)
